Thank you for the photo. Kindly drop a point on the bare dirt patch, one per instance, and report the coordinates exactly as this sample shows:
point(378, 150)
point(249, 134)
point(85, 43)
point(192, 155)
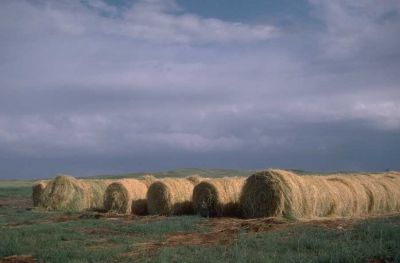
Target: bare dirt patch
point(19, 259)
point(99, 231)
point(104, 232)
point(186, 239)
point(49, 220)
point(59, 218)
point(379, 261)
point(248, 225)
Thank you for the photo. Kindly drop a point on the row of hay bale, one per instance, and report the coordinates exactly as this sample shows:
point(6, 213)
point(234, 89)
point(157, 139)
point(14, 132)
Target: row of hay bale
point(270, 193)
point(148, 195)
point(68, 193)
point(278, 193)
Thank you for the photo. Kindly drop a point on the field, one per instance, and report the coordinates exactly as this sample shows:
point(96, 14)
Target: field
point(33, 235)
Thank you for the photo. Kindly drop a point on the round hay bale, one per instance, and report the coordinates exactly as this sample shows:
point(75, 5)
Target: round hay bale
point(261, 196)
point(393, 178)
point(68, 193)
point(218, 197)
point(274, 193)
point(37, 191)
point(309, 196)
point(126, 196)
point(279, 193)
point(65, 193)
point(170, 196)
point(344, 195)
point(390, 187)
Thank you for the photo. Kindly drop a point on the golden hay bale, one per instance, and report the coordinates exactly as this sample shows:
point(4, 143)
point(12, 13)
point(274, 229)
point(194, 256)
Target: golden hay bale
point(390, 184)
point(170, 196)
point(377, 193)
point(126, 196)
point(218, 197)
point(37, 191)
point(368, 193)
point(348, 198)
point(65, 193)
point(275, 193)
point(68, 193)
point(282, 193)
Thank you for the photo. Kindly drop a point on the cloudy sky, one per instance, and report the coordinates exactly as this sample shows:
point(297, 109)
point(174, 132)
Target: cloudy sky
point(95, 87)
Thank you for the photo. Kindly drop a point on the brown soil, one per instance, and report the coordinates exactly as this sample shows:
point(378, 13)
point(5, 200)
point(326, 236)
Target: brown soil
point(379, 261)
point(184, 238)
point(19, 259)
point(99, 231)
point(248, 225)
point(104, 232)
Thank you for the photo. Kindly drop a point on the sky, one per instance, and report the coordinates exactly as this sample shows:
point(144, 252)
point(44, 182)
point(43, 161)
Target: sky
point(106, 87)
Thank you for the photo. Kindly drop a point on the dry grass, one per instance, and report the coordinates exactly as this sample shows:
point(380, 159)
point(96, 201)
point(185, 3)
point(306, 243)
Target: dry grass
point(37, 191)
point(171, 196)
point(68, 193)
point(218, 197)
point(126, 196)
point(282, 193)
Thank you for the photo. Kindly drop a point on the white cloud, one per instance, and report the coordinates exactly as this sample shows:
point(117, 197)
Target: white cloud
point(148, 20)
point(153, 20)
point(355, 26)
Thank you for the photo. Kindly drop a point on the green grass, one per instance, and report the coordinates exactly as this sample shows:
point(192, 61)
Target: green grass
point(68, 242)
point(15, 183)
point(373, 239)
point(15, 188)
point(84, 240)
point(15, 191)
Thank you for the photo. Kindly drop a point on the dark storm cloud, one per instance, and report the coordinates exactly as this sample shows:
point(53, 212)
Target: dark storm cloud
point(94, 88)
